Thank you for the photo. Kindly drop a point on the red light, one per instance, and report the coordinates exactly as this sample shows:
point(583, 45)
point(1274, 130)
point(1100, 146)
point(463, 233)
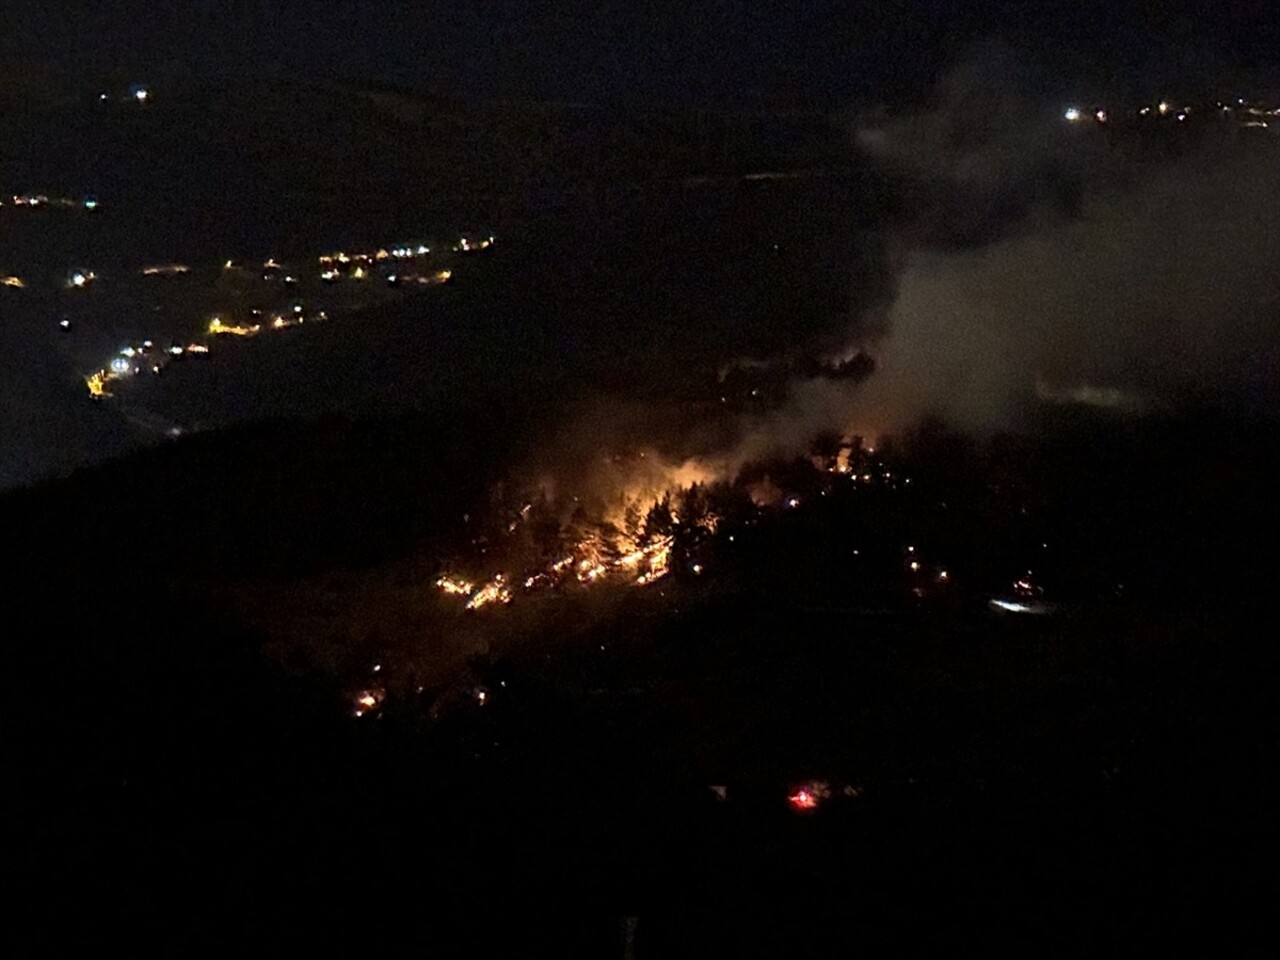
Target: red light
point(803, 800)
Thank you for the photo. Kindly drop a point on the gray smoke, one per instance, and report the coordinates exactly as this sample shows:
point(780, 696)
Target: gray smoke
point(1045, 261)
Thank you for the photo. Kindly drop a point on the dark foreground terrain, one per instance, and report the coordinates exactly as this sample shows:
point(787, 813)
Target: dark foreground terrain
point(1085, 783)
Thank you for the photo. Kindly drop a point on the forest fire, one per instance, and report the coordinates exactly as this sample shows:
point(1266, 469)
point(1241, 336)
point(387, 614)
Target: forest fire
point(652, 520)
point(495, 591)
point(367, 701)
point(630, 536)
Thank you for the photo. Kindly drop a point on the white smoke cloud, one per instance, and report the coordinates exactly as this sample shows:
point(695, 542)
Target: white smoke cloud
point(1160, 288)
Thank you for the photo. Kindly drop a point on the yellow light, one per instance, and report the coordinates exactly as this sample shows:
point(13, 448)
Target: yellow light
point(495, 591)
point(455, 586)
point(12, 282)
point(218, 328)
point(97, 384)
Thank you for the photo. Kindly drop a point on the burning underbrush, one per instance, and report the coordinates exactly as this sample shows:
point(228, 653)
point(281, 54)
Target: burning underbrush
point(642, 521)
point(638, 521)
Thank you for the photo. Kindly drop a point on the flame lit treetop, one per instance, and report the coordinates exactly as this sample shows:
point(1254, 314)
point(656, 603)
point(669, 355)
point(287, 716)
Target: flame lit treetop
point(655, 518)
point(631, 535)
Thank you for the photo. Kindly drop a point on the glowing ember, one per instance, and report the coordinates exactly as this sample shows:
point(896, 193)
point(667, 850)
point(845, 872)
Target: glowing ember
point(495, 591)
point(803, 800)
point(807, 796)
point(368, 700)
point(456, 586)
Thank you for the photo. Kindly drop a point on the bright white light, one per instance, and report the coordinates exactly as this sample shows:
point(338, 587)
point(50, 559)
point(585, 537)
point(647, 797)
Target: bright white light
point(1101, 116)
point(128, 352)
point(1010, 606)
point(120, 365)
point(1163, 107)
point(1072, 114)
point(141, 94)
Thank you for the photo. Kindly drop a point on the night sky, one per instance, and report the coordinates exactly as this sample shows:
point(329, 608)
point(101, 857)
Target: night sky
point(1018, 62)
point(782, 55)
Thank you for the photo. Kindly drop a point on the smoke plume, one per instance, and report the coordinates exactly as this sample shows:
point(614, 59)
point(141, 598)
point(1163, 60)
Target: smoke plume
point(1039, 260)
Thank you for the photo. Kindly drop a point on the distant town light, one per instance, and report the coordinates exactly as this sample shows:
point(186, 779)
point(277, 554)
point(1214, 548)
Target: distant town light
point(1163, 107)
point(1101, 116)
point(1072, 114)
